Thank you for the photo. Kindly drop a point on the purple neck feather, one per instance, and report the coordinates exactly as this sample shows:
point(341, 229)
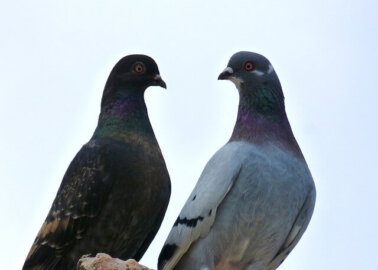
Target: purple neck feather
point(122, 115)
point(259, 128)
point(124, 106)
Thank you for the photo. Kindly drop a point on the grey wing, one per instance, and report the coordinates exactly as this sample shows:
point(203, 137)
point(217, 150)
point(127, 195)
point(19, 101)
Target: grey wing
point(198, 214)
point(301, 222)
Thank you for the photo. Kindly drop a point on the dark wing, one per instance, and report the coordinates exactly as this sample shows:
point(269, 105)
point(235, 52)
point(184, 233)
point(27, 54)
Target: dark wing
point(296, 232)
point(80, 197)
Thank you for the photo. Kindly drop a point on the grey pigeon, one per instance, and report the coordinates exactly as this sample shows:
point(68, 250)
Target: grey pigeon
point(115, 192)
point(255, 197)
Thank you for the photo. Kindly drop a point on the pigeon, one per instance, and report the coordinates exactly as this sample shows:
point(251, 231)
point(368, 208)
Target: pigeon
point(255, 197)
point(115, 192)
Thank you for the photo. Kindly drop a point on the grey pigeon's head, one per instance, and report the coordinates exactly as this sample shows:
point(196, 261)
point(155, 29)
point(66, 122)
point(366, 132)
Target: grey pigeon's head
point(255, 79)
point(134, 73)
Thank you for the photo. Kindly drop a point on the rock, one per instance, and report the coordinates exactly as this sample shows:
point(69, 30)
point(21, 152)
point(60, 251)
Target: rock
point(103, 261)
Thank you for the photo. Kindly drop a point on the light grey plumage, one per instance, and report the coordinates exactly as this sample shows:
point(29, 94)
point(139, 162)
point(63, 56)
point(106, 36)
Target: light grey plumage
point(255, 197)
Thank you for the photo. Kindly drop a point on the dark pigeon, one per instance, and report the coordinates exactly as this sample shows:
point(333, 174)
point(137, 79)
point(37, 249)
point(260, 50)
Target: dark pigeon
point(116, 190)
point(256, 196)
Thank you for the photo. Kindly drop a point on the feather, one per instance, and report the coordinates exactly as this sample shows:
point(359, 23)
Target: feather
point(199, 211)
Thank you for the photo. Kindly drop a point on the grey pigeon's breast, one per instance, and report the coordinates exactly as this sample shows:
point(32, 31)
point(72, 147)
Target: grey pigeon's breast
point(260, 209)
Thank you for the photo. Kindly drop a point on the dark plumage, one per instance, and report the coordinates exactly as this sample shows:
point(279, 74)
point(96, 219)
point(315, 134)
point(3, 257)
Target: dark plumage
point(115, 192)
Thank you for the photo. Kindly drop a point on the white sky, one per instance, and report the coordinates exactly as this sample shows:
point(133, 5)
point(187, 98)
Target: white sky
point(56, 56)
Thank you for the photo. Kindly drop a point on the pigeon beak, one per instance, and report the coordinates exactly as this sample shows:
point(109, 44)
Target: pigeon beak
point(158, 81)
point(226, 73)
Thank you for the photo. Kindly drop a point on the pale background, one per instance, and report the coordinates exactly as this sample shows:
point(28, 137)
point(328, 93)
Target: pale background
point(55, 57)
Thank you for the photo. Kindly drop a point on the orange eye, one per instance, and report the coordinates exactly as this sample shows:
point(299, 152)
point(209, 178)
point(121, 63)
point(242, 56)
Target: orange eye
point(139, 68)
point(248, 66)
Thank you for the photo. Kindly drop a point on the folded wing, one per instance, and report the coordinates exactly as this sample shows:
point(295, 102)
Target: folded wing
point(199, 212)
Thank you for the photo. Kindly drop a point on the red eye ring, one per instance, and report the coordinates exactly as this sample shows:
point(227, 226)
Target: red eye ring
point(249, 66)
point(139, 68)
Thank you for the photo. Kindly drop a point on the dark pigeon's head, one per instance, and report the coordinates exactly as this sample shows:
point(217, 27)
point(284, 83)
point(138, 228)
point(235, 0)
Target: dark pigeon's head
point(134, 73)
point(249, 69)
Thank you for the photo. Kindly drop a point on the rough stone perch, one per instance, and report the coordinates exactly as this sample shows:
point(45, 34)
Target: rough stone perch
point(103, 261)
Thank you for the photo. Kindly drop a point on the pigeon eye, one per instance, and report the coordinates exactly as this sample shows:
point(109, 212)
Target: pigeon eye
point(249, 66)
point(139, 68)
